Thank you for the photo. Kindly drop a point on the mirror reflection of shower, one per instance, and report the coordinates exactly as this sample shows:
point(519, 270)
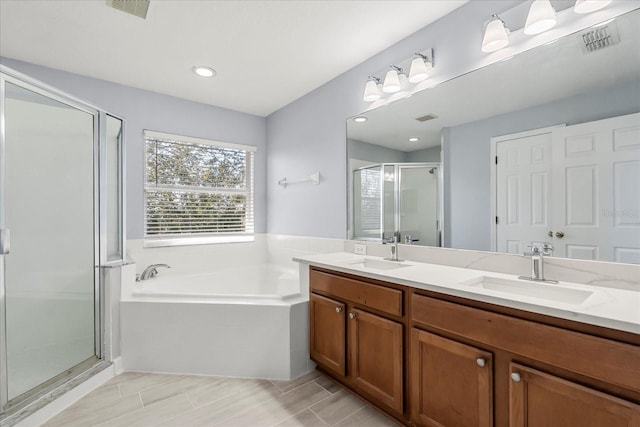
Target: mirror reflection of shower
point(398, 199)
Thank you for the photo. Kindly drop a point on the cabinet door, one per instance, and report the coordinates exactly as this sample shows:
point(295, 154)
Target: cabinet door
point(542, 400)
point(451, 382)
point(327, 333)
point(375, 357)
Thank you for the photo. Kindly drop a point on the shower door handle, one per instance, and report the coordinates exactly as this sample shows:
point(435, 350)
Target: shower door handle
point(5, 241)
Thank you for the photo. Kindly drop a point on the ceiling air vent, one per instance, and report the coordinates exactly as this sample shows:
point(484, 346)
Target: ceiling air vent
point(426, 117)
point(597, 38)
point(137, 8)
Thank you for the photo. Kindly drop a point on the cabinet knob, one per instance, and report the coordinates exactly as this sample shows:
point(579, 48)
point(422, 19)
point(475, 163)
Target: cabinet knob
point(515, 376)
point(352, 315)
point(338, 309)
point(481, 362)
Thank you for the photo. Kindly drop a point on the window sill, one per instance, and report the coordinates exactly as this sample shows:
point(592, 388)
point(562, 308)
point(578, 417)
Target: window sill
point(195, 240)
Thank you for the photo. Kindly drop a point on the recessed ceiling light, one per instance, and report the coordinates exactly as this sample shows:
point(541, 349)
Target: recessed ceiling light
point(414, 139)
point(360, 119)
point(203, 71)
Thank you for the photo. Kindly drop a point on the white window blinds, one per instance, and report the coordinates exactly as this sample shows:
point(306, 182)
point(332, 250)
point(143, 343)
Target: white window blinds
point(197, 187)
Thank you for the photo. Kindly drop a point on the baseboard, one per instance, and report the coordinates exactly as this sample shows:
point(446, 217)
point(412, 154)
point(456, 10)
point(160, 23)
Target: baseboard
point(62, 402)
point(118, 367)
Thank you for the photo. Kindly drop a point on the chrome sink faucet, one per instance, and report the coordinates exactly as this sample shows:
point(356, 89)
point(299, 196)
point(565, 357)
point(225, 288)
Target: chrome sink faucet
point(151, 271)
point(537, 253)
point(393, 240)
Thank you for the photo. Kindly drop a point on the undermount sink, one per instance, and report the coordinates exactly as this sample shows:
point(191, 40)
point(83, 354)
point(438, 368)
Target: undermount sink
point(549, 292)
point(376, 264)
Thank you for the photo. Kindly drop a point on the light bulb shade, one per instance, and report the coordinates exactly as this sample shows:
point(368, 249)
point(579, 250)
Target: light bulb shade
point(391, 82)
point(371, 91)
point(541, 17)
point(495, 36)
point(588, 6)
point(419, 70)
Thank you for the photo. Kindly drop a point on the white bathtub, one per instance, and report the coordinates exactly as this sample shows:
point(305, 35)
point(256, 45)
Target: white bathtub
point(243, 284)
point(233, 310)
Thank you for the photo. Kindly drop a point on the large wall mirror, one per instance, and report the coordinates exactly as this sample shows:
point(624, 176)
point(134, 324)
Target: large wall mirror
point(542, 147)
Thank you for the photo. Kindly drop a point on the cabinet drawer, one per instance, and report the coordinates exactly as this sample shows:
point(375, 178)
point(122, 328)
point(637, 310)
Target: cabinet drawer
point(377, 297)
point(609, 361)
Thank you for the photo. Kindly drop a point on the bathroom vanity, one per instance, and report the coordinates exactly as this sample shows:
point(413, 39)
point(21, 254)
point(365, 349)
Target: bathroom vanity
point(442, 346)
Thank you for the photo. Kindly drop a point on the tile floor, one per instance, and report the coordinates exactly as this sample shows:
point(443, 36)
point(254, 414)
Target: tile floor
point(139, 399)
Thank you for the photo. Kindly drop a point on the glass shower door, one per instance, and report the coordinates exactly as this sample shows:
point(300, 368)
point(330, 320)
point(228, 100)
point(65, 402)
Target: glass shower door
point(419, 213)
point(48, 184)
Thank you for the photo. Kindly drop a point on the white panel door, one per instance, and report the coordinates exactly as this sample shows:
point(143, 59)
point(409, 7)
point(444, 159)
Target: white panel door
point(596, 183)
point(522, 191)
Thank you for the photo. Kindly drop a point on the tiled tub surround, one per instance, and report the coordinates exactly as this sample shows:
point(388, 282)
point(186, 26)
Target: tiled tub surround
point(234, 310)
point(608, 306)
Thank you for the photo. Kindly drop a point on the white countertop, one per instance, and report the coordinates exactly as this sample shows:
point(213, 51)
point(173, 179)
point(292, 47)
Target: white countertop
point(609, 307)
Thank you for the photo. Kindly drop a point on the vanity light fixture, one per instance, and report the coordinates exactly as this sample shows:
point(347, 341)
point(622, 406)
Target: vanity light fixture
point(414, 139)
point(495, 35)
point(392, 80)
point(203, 71)
point(360, 119)
point(421, 66)
point(588, 6)
point(372, 89)
point(541, 17)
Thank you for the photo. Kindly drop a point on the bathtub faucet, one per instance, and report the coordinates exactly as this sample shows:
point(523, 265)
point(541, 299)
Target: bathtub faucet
point(151, 271)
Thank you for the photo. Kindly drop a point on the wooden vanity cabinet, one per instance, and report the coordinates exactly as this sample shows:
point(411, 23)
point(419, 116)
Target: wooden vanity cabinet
point(537, 399)
point(429, 359)
point(327, 344)
point(570, 389)
point(375, 357)
point(344, 320)
point(451, 382)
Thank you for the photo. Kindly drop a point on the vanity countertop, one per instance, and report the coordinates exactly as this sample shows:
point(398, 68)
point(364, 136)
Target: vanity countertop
point(596, 305)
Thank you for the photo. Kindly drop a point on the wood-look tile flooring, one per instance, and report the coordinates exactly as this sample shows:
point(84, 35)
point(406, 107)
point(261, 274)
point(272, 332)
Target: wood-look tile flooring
point(139, 399)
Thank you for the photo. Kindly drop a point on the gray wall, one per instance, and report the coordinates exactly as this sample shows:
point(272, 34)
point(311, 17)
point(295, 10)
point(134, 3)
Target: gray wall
point(148, 110)
point(309, 134)
point(374, 153)
point(426, 155)
point(468, 163)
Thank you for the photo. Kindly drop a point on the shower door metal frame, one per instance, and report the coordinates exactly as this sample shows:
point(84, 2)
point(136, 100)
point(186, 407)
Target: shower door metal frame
point(7, 75)
point(397, 177)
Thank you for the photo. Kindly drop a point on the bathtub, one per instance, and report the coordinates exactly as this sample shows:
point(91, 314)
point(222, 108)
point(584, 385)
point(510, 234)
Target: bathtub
point(270, 282)
point(233, 310)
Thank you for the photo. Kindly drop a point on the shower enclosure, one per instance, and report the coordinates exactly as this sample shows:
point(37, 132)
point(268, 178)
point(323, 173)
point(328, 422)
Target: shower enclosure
point(60, 220)
point(398, 199)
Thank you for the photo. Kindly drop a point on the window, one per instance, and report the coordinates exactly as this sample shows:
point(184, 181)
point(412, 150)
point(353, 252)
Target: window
point(197, 191)
point(368, 202)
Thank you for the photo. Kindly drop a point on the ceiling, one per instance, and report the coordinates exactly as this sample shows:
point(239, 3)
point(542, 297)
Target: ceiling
point(541, 75)
point(266, 53)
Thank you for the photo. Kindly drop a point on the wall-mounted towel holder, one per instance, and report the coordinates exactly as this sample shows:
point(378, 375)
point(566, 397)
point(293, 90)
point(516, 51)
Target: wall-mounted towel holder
point(314, 178)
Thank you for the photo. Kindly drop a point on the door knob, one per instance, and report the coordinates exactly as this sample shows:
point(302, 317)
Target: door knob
point(550, 233)
point(559, 234)
point(338, 309)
